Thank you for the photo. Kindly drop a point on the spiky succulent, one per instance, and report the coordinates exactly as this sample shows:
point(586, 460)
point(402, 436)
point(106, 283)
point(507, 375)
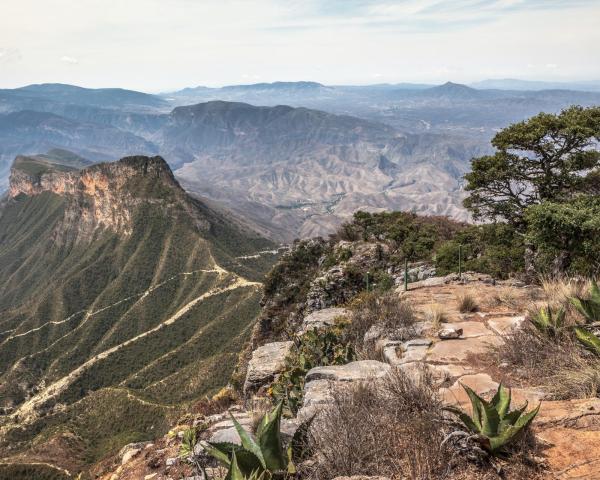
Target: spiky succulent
point(548, 321)
point(589, 307)
point(493, 423)
point(263, 456)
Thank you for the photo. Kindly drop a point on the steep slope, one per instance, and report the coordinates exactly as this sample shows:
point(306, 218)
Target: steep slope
point(122, 298)
point(306, 170)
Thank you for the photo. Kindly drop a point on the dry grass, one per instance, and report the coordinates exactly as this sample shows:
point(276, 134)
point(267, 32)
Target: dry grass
point(559, 365)
point(436, 314)
point(395, 430)
point(559, 291)
point(467, 303)
point(222, 400)
point(392, 431)
point(388, 312)
point(507, 296)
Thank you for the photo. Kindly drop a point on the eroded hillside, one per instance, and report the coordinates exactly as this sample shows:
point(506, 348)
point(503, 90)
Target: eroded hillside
point(122, 299)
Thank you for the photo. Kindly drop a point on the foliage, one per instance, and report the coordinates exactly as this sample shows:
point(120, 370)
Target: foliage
point(414, 236)
point(494, 249)
point(566, 235)
point(495, 424)
point(264, 455)
point(549, 321)
point(315, 348)
point(544, 158)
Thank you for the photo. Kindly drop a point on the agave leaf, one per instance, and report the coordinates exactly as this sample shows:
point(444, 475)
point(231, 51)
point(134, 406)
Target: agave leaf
point(468, 421)
point(297, 451)
point(589, 308)
point(248, 463)
point(216, 452)
point(269, 440)
point(248, 442)
point(498, 442)
point(588, 339)
point(501, 400)
point(477, 404)
point(526, 419)
point(490, 420)
point(234, 472)
point(512, 417)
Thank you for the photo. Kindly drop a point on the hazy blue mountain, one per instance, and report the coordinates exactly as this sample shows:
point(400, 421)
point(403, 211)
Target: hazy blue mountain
point(516, 84)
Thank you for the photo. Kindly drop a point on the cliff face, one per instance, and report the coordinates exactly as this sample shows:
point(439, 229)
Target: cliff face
point(102, 196)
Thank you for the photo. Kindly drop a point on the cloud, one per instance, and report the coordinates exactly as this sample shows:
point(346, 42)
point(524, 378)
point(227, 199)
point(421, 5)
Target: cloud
point(8, 55)
point(69, 60)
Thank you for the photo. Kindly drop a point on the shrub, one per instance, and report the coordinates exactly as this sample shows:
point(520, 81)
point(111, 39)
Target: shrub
point(318, 347)
point(436, 314)
point(387, 311)
point(467, 304)
point(383, 430)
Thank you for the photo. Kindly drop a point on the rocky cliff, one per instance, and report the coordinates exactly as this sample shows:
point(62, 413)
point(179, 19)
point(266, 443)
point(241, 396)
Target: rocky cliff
point(101, 196)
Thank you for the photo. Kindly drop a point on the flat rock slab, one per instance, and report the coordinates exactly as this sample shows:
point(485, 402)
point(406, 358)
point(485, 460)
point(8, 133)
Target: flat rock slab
point(457, 351)
point(504, 325)
point(266, 362)
point(471, 329)
point(322, 318)
point(573, 454)
point(576, 413)
point(351, 372)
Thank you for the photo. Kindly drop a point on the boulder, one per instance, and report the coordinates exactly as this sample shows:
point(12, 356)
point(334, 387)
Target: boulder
point(450, 332)
point(322, 318)
point(266, 362)
point(351, 372)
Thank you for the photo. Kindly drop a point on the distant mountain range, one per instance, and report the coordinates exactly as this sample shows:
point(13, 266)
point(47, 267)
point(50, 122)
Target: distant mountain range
point(295, 158)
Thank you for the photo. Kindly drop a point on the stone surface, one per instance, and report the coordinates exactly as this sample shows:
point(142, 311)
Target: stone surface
point(503, 325)
point(472, 329)
point(129, 455)
point(450, 351)
point(321, 318)
point(353, 371)
point(267, 361)
point(572, 454)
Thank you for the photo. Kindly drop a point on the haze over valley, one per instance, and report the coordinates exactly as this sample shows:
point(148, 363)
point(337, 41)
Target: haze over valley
point(293, 158)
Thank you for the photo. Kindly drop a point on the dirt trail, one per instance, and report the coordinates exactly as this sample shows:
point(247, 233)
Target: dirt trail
point(28, 409)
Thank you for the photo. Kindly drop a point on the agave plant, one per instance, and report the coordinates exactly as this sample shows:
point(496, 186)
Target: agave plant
point(493, 423)
point(589, 307)
point(263, 456)
point(548, 321)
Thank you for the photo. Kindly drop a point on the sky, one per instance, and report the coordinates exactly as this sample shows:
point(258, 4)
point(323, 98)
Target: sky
point(163, 45)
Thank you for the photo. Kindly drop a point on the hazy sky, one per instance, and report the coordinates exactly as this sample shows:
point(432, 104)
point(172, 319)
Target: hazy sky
point(157, 45)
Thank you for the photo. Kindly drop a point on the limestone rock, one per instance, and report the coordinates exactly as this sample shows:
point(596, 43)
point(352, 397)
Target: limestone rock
point(322, 318)
point(351, 372)
point(266, 362)
point(450, 332)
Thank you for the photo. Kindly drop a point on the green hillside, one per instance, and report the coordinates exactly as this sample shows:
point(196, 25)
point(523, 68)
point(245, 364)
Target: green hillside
point(134, 322)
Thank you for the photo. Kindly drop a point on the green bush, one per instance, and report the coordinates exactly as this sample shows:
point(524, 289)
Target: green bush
point(315, 348)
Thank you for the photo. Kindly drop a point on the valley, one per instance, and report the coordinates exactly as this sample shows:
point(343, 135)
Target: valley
point(294, 159)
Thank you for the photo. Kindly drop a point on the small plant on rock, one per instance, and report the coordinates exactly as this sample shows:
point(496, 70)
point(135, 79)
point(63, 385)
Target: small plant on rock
point(548, 321)
point(467, 304)
point(495, 426)
point(317, 347)
point(263, 456)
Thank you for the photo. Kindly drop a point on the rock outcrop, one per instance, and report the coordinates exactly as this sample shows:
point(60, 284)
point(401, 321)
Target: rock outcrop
point(266, 362)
